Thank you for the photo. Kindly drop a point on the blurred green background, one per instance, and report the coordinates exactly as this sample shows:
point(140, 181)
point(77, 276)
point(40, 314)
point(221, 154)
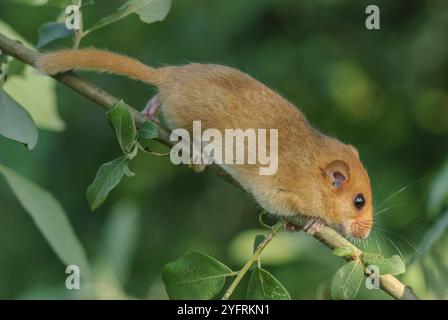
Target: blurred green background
point(384, 91)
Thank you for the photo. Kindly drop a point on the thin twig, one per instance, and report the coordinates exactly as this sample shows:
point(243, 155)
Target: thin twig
point(327, 236)
point(255, 257)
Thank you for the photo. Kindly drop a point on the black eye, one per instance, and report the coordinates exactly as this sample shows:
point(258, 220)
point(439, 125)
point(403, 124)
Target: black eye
point(359, 201)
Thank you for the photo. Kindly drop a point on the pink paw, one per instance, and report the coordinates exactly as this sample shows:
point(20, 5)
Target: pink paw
point(314, 225)
point(151, 108)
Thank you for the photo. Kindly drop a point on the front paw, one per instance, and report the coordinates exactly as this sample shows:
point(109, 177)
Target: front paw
point(313, 226)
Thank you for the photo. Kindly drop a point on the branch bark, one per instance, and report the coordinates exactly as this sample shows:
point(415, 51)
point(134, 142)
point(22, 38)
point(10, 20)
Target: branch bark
point(327, 235)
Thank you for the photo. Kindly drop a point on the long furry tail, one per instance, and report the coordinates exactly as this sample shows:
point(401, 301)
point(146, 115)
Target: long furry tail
point(98, 60)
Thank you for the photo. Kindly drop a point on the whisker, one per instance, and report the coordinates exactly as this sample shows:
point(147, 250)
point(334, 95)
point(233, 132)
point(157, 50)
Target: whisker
point(376, 214)
point(412, 245)
point(399, 251)
point(378, 245)
point(401, 190)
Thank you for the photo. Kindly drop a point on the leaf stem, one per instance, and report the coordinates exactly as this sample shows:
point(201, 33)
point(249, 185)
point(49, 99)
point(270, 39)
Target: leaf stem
point(152, 152)
point(134, 152)
point(255, 258)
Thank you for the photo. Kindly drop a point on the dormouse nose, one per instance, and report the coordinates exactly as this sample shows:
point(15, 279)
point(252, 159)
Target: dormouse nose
point(361, 228)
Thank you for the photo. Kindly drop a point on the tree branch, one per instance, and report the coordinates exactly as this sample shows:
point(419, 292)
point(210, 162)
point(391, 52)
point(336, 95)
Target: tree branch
point(327, 236)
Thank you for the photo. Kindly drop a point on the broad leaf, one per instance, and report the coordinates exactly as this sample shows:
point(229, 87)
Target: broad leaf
point(107, 178)
point(50, 218)
point(346, 281)
point(148, 10)
point(52, 31)
point(15, 122)
point(43, 110)
point(123, 122)
point(393, 265)
point(195, 276)
point(36, 93)
point(263, 286)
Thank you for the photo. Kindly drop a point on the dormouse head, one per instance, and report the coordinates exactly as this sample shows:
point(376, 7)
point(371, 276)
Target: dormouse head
point(347, 190)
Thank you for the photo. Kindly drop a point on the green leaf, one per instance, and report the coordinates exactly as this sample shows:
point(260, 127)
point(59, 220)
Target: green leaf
point(52, 31)
point(258, 239)
point(346, 281)
point(123, 122)
point(195, 276)
point(148, 132)
point(438, 194)
point(24, 89)
point(50, 218)
point(107, 178)
point(15, 122)
point(343, 251)
point(263, 286)
point(44, 110)
point(148, 10)
point(393, 265)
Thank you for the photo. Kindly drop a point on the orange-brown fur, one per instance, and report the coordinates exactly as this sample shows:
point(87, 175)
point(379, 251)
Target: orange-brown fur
point(222, 97)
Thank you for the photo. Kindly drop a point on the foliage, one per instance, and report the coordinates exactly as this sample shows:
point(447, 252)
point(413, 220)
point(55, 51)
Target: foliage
point(388, 97)
point(263, 286)
point(50, 218)
point(195, 276)
point(347, 281)
point(16, 122)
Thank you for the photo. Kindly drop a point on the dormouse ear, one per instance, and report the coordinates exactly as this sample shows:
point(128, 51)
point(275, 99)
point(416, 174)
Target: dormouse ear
point(338, 173)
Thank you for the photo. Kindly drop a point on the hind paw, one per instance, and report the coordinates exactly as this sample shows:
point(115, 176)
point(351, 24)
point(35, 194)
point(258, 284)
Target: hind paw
point(151, 108)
